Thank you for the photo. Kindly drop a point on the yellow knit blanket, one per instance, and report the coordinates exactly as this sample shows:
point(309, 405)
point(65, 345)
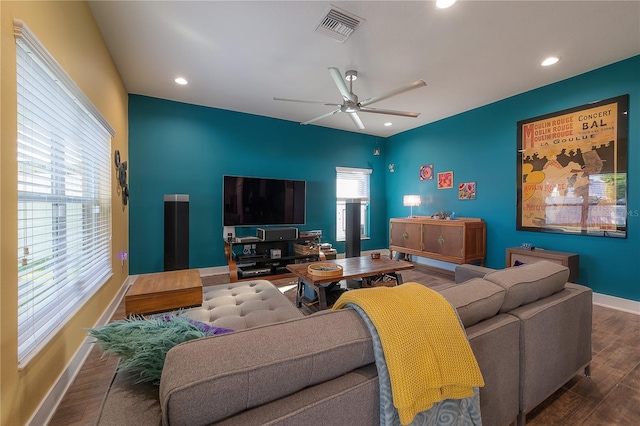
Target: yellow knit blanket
point(425, 348)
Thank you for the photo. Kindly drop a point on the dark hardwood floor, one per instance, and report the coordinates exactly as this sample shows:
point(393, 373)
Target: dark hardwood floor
point(611, 396)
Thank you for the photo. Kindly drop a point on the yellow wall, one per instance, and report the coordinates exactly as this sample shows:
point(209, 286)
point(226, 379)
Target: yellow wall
point(68, 31)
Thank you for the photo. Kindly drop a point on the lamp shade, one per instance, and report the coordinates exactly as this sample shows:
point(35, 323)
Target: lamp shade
point(411, 200)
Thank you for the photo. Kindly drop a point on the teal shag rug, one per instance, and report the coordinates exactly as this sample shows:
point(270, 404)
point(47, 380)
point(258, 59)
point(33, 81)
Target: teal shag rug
point(142, 344)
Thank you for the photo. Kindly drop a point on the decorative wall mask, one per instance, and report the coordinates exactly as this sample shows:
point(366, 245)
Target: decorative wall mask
point(121, 175)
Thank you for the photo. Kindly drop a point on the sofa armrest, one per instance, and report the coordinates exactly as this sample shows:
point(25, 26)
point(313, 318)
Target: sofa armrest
point(555, 342)
point(466, 272)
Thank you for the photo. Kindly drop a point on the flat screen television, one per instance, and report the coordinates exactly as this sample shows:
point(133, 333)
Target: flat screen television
point(250, 201)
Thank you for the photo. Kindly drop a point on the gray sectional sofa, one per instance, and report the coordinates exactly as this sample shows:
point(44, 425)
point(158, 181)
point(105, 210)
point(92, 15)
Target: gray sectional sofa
point(553, 339)
point(529, 329)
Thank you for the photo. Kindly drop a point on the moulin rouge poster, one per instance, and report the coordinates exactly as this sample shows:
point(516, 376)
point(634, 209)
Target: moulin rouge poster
point(572, 167)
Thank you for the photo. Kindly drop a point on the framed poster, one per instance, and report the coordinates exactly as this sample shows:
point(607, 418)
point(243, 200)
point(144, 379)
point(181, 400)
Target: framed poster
point(572, 170)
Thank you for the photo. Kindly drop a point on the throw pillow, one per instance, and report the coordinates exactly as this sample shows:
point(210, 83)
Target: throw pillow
point(142, 344)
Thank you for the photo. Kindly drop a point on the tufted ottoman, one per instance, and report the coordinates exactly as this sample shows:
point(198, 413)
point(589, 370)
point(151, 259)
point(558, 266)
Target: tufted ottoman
point(243, 305)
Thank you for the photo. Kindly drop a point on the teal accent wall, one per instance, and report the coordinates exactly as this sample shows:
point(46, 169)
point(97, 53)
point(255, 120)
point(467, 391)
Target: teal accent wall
point(177, 148)
point(480, 146)
point(181, 148)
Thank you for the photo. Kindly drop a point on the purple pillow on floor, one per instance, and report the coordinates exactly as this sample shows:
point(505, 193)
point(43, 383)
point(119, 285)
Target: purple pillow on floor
point(205, 328)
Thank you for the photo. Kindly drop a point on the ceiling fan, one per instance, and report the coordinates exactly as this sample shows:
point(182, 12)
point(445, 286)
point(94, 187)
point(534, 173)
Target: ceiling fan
point(350, 103)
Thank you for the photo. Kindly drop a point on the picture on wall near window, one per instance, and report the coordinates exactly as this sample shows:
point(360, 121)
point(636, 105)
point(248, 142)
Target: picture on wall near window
point(467, 191)
point(426, 172)
point(572, 170)
point(445, 180)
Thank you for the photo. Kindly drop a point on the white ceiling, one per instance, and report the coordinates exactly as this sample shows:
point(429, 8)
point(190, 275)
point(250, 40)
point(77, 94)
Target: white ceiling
point(239, 55)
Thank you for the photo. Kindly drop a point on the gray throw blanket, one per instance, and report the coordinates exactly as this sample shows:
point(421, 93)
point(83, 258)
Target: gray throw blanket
point(449, 412)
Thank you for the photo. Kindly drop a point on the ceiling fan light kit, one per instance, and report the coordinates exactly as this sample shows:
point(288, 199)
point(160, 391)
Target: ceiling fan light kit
point(350, 103)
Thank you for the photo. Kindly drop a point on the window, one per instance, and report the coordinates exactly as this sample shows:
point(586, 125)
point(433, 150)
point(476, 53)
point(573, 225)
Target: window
point(352, 183)
point(64, 196)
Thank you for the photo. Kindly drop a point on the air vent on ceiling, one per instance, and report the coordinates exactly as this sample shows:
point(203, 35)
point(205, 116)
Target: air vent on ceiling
point(338, 24)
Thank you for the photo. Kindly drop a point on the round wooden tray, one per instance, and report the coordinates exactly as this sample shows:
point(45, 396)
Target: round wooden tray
point(325, 269)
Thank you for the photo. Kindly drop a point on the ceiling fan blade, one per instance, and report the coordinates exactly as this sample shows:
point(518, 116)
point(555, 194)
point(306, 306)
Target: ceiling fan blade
point(390, 112)
point(306, 102)
point(342, 86)
point(414, 85)
point(356, 120)
point(313, 120)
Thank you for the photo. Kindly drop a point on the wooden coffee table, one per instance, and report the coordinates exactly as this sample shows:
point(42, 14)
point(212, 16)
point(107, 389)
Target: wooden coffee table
point(164, 291)
point(353, 267)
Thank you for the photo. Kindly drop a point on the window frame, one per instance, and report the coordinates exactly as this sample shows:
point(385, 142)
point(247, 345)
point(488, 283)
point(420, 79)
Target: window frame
point(362, 192)
point(64, 196)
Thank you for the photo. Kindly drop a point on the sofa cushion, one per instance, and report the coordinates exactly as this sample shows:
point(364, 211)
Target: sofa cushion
point(467, 271)
point(528, 283)
point(208, 380)
point(474, 300)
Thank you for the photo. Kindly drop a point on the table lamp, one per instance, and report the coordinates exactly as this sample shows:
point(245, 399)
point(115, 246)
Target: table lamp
point(410, 201)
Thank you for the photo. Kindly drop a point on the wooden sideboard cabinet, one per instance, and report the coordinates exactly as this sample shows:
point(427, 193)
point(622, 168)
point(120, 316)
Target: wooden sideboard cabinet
point(461, 240)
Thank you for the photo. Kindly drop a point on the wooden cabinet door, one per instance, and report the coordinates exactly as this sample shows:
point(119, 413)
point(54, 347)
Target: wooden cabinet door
point(451, 239)
point(443, 240)
point(431, 238)
point(406, 235)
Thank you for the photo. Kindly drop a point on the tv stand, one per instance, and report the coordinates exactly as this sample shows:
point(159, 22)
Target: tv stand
point(250, 258)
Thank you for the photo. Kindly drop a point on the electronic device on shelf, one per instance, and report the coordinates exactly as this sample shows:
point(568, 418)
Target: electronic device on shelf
point(277, 234)
point(310, 234)
point(247, 239)
point(254, 271)
point(250, 257)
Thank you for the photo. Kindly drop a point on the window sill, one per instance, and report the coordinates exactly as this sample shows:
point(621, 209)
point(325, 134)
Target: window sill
point(343, 239)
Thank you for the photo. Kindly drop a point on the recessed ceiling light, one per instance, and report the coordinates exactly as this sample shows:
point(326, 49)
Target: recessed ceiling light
point(549, 61)
point(181, 81)
point(443, 4)
point(388, 124)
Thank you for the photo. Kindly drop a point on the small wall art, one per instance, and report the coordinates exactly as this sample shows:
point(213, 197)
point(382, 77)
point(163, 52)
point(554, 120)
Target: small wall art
point(467, 191)
point(445, 180)
point(426, 172)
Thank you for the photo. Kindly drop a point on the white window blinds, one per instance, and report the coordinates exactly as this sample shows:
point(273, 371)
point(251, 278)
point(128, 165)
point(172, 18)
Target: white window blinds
point(352, 183)
point(64, 195)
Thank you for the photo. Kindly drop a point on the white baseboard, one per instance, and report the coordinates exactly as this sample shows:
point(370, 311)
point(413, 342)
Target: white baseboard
point(49, 404)
point(618, 303)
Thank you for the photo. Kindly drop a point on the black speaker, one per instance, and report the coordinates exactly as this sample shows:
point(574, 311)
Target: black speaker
point(278, 234)
point(176, 232)
point(352, 228)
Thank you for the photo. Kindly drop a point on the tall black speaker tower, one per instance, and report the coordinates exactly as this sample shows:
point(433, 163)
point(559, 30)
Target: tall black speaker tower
point(352, 228)
point(176, 232)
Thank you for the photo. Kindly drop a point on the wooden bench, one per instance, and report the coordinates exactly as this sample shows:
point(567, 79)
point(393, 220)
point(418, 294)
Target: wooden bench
point(164, 291)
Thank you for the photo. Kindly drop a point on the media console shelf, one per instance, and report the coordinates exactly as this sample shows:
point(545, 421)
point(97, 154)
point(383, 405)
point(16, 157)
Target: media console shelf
point(461, 240)
point(246, 262)
point(570, 260)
